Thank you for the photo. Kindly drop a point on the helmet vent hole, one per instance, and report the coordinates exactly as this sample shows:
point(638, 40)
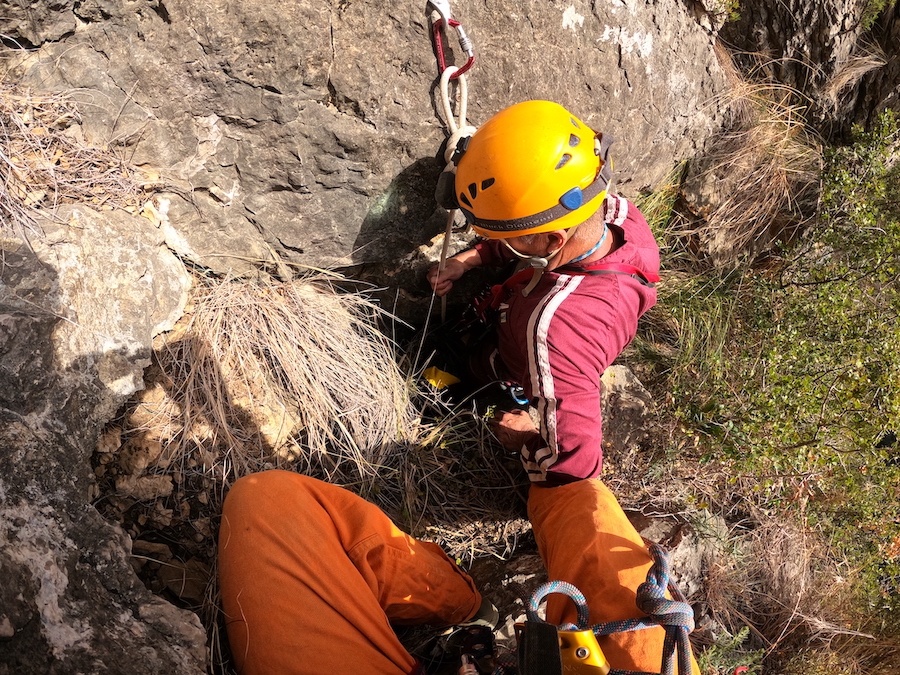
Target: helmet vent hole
point(563, 160)
point(573, 140)
point(574, 123)
point(473, 190)
point(464, 199)
point(486, 183)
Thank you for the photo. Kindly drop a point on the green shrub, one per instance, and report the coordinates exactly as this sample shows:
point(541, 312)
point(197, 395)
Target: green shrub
point(871, 10)
point(729, 652)
point(792, 373)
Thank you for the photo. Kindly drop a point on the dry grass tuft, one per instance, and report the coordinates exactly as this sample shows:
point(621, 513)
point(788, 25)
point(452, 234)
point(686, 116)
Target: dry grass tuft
point(871, 57)
point(45, 162)
point(758, 181)
point(287, 374)
point(460, 489)
point(773, 584)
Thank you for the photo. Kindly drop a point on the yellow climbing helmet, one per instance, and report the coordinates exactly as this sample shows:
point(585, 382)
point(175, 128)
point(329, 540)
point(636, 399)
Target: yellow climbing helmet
point(533, 167)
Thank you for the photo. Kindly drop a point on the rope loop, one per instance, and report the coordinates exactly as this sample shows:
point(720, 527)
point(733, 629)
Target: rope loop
point(651, 595)
point(462, 96)
point(674, 614)
point(564, 588)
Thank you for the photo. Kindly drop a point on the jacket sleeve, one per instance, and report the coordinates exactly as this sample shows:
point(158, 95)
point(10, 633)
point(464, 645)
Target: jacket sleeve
point(580, 330)
point(493, 253)
point(570, 345)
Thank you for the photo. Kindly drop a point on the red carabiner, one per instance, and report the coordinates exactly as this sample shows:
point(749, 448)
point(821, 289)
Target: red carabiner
point(464, 43)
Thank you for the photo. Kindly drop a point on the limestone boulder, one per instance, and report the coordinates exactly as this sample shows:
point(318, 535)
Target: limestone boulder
point(291, 134)
point(78, 308)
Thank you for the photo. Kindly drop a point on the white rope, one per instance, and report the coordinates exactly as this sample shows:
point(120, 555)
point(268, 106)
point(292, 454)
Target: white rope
point(458, 126)
point(458, 129)
point(462, 95)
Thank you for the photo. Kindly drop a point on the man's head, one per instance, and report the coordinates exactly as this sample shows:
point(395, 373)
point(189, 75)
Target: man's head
point(532, 168)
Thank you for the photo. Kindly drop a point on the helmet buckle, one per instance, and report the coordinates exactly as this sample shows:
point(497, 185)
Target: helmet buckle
point(461, 146)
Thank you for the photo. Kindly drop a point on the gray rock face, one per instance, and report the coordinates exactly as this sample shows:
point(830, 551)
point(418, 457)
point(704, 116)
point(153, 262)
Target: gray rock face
point(76, 315)
point(838, 58)
point(33, 22)
point(308, 132)
point(805, 41)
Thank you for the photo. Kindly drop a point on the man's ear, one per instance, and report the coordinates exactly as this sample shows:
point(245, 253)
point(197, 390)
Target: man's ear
point(556, 239)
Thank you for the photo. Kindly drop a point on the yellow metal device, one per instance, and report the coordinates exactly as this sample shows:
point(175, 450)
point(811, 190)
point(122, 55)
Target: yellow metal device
point(581, 655)
point(439, 378)
point(579, 652)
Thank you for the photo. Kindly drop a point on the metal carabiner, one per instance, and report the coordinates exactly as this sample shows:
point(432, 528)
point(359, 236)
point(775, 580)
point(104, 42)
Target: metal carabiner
point(442, 8)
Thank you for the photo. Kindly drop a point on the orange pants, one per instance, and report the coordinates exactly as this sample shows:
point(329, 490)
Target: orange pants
point(312, 576)
point(586, 539)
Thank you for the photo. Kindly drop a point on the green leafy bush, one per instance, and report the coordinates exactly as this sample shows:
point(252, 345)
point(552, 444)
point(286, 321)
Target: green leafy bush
point(791, 373)
point(728, 653)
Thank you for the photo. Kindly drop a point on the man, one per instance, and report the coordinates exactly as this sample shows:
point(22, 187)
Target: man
point(534, 182)
point(312, 577)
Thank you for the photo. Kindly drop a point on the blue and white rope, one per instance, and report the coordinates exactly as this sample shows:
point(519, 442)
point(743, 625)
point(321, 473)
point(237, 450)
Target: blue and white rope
point(674, 614)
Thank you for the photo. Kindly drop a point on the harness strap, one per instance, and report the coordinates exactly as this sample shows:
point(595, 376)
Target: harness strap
point(600, 267)
point(498, 292)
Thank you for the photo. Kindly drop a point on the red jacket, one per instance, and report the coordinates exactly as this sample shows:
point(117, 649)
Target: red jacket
point(557, 341)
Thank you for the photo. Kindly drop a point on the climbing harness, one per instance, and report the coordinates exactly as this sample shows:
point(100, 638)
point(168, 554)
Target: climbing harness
point(602, 267)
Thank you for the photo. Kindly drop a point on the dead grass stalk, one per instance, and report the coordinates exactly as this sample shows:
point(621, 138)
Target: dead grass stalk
point(758, 181)
point(45, 162)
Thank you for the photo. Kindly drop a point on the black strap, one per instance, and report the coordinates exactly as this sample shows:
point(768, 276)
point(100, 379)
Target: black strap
point(538, 651)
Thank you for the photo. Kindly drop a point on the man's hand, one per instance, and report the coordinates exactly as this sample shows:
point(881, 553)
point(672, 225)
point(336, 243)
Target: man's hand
point(442, 282)
point(454, 268)
point(513, 428)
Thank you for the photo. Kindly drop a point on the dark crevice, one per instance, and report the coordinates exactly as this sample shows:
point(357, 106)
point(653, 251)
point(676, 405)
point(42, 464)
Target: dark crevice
point(295, 249)
point(162, 11)
point(16, 43)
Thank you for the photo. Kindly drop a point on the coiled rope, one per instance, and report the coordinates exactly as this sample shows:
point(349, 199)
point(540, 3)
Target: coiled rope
point(674, 614)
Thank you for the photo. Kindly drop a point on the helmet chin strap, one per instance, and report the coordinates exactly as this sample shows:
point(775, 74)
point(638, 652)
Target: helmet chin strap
point(538, 263)
point(538, 266)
